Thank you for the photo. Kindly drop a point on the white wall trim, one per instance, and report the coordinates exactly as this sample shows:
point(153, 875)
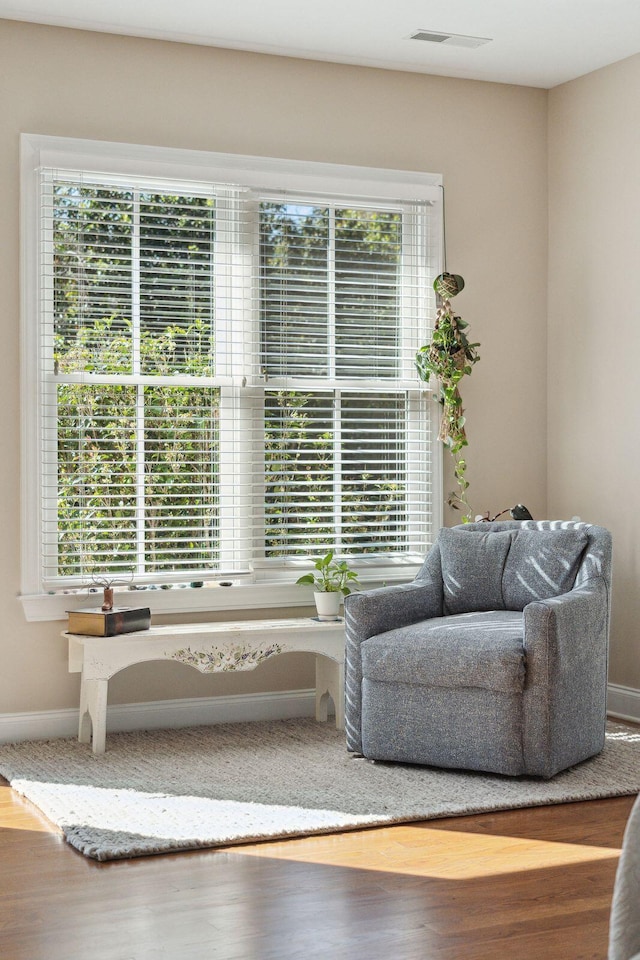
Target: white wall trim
point(171, 163)
point(247, 593)
point(194, 711)
point(623, 702)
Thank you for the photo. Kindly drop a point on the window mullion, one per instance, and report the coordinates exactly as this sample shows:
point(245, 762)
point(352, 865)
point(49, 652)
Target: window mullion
point(136, 369)
point(331, 295)
point(236, 353)
point(49, 394)
point(136, 361)
point(331, 373)
point(337, 469)
point(140, 481)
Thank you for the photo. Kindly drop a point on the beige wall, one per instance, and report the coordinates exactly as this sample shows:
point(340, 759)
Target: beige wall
point(594, 326)
point(489, 142)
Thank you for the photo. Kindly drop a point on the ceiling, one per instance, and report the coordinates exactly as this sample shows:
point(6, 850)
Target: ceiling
point(537, 43)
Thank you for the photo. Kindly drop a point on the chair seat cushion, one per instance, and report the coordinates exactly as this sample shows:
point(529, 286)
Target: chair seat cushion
point(483, 649)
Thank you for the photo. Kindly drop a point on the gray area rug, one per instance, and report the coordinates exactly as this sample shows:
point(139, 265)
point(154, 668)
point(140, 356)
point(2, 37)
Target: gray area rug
point(165, 790)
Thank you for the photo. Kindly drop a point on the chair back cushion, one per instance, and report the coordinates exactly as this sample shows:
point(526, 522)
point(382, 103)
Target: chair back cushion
point(488, 569)
point(542, 564)
point(472, 568)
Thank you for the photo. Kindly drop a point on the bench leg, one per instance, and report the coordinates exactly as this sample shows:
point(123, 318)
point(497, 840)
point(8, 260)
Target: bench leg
point(329, 683)
point(93, 713)
point(84, 721)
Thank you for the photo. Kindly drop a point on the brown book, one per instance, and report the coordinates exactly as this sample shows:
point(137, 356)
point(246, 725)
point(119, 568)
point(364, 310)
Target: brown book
point(109, 623)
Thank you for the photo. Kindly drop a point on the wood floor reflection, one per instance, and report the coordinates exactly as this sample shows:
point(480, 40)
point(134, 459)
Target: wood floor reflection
point(530, 884)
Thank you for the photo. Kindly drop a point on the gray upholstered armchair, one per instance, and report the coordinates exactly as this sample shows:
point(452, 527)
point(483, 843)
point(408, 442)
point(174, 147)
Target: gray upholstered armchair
point(494, 658)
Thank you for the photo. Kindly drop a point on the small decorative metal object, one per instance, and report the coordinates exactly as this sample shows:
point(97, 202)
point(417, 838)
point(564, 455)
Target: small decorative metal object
point(107, 599)
point(519, 512)
point(107, 584)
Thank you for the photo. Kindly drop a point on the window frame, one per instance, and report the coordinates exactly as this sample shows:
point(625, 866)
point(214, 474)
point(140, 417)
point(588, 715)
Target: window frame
point(268, 588)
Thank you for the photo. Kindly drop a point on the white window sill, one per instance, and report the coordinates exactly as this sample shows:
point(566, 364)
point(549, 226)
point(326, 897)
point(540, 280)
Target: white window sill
point(209, 599)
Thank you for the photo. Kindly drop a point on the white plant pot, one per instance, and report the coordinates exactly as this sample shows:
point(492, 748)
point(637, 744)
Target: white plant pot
point(328, 604)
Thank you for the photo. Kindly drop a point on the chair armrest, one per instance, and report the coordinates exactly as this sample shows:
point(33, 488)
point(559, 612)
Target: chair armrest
point(563, 632)
point(372, 612)
point(566, 642)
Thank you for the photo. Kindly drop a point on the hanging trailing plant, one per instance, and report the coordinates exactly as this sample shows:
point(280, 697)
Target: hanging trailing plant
point(449, 357)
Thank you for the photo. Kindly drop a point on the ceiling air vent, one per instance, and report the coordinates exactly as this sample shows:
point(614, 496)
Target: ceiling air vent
point(449, 39)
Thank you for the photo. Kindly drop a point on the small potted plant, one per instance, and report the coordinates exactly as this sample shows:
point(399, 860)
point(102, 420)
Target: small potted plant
point(331, 583)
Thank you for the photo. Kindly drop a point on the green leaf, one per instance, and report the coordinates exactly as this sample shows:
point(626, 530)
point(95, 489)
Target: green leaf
point(307, 579)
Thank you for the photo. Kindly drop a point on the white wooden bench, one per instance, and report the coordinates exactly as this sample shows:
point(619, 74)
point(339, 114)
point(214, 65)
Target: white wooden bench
point(210, 648)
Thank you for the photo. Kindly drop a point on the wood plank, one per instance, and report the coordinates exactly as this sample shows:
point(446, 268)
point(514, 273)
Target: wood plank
point(530, 884)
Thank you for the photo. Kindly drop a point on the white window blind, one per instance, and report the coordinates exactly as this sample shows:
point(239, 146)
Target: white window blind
point(227, 378)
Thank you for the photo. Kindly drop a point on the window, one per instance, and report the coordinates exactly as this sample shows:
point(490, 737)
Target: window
point(223, 365)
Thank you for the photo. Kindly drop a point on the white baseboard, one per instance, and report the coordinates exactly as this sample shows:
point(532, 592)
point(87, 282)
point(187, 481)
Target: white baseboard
point(49, 724)
point(623, 702)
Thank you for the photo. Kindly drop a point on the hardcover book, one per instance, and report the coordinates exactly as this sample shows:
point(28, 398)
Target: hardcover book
point(109, 623)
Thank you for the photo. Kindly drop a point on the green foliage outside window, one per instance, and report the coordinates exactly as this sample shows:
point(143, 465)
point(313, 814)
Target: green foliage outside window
point(138, 463)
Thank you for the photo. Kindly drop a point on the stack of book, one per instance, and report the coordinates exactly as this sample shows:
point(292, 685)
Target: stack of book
point(109, 623)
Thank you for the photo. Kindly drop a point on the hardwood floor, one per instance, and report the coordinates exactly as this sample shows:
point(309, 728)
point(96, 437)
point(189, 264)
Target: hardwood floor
point(529, 884)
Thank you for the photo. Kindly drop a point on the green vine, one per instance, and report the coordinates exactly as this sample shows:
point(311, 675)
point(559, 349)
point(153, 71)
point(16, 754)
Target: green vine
point(449, 357)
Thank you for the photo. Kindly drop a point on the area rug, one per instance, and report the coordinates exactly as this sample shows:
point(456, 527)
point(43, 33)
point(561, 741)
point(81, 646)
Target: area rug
point(166, 790)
